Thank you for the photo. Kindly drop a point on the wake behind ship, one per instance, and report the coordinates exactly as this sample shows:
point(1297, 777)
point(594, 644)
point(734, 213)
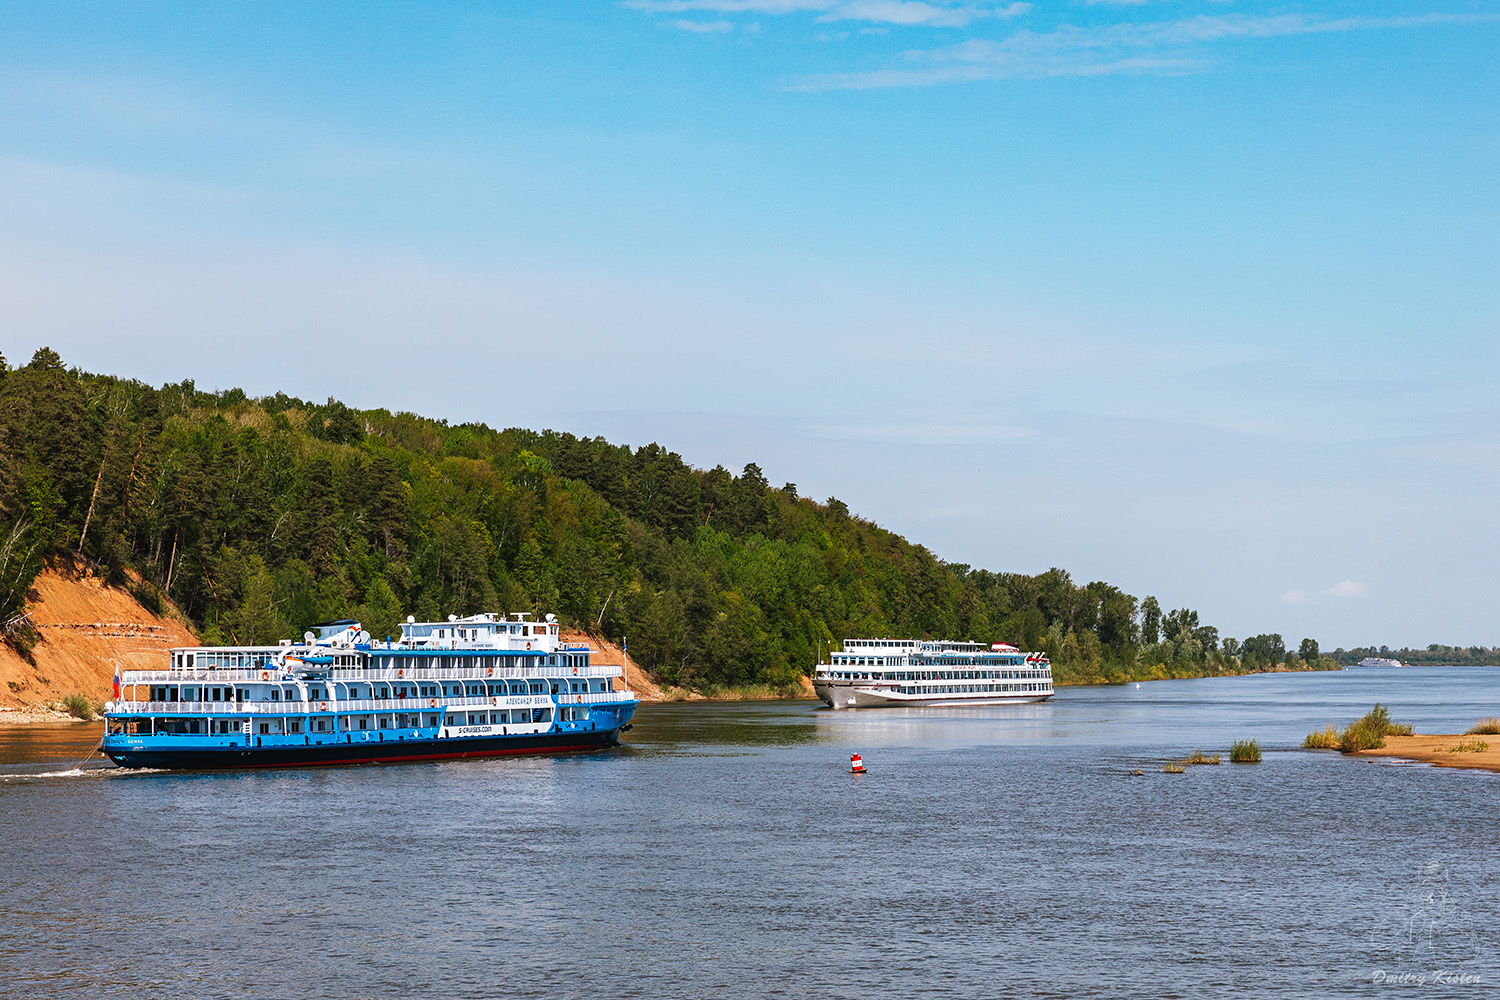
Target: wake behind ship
point(481, 686)
point(886, 672)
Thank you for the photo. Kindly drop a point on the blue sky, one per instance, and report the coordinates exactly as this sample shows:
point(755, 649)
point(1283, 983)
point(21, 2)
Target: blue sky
point(1199, 298)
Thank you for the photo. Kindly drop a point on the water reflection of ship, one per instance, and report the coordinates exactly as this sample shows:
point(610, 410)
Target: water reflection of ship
point(870, 673)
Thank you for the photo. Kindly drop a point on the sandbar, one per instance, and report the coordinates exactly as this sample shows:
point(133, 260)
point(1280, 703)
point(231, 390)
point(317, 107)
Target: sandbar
point(1439, 750)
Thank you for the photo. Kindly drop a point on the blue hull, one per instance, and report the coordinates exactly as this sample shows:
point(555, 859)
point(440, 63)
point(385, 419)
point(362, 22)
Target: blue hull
point(332, 753)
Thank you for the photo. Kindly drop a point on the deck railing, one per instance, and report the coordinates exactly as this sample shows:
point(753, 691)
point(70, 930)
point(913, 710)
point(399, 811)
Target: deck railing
point(382, 705)
point(273, 674)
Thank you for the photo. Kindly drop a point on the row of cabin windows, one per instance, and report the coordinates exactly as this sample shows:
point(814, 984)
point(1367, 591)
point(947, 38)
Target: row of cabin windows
point(383, 662)
point(267, 661)
point(962, 688)
point(967, 661)
point(245, 661)
point(513, 717)
point(174, 693)
point(935, 675)
point(897, 661)
point(346, 723)
point(485, 631)
point(494, 689)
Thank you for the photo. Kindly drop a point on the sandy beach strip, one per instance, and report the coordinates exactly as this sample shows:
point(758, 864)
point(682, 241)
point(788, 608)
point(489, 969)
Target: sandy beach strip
point(1439, 750)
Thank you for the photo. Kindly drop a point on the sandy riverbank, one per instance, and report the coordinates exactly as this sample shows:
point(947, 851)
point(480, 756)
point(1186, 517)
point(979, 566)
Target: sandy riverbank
point(85, 630)
point(34, 715)
point(1439, 750)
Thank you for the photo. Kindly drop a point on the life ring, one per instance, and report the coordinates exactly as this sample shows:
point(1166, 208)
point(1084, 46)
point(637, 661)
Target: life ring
point(265, 675)
point(575, 670)
point(322, 706)
point(528, 645)
point(491, 672)
point(432, 703)
point(401, 673)
point(579, 698)
point(494, 701)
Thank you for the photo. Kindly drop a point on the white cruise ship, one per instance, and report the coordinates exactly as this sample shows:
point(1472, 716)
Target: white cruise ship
point(480, 686)
point(884, 672)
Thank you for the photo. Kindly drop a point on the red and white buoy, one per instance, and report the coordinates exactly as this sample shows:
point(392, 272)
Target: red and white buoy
point(856, 764)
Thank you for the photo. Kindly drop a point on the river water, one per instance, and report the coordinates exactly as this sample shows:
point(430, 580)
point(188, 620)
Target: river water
point(727, 852)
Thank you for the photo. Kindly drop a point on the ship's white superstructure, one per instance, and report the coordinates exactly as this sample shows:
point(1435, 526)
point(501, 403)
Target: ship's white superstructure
point(874, 672)
point(479, 686)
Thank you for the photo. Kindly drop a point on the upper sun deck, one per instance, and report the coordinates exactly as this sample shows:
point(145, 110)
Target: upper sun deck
point(485, 631)
point(345, 644)
point(902, 647)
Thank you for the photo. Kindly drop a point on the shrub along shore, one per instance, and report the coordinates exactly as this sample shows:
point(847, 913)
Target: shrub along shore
point(1375, 735)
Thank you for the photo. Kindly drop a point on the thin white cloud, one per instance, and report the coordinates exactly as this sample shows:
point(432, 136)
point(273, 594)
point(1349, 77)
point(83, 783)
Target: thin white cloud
point(1348, 589)
point(1345, 590)
point(704, 27)
point(921, 433)
point(918, 12)
point(904, 12)
point(1164, 47)
point(729, 6)
point(898, 12)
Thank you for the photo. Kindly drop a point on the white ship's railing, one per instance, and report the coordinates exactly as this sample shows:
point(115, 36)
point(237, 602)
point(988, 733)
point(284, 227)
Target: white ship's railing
point(201, 675)
point(1022, 672)
point(364, 704)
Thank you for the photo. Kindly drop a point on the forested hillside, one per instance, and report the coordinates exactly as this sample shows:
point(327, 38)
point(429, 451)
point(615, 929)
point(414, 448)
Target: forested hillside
point(259, 517)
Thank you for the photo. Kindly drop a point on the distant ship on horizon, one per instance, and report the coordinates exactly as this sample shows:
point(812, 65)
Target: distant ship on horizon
point(1379, 661)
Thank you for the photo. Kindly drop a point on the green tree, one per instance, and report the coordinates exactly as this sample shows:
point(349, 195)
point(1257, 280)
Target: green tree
point(1267, 649)
point(381, 612)
point(45, 360)
point(20, 561)
point(1150, 621)
point(256, 621)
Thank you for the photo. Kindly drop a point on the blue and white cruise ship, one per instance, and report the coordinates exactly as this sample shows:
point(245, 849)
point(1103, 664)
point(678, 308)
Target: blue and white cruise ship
point(481, 686)
point(885, 672)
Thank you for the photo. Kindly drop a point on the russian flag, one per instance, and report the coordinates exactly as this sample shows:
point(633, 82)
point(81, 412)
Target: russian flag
point(117, 682)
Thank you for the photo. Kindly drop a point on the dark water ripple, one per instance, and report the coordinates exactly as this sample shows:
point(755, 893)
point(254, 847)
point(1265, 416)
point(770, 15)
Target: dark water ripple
point(727, 852)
